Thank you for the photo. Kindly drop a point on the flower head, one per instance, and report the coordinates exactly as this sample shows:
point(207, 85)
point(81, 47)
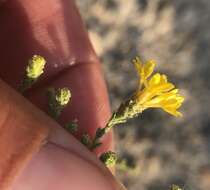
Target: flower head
point(109, 158)
point(86, 140)
point(63, 96)
point(155, 91)
point(58, 100)
point(34, 70)
point(35, 67)
point(175, 187)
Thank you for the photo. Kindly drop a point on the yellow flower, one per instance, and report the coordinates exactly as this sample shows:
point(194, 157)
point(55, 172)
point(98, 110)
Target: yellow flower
point(156, 91)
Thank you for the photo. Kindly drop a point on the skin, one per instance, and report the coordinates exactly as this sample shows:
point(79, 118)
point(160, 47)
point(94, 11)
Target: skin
point(54, 30)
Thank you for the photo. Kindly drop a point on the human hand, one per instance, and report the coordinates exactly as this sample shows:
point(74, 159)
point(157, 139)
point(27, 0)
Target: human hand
point(54, 30)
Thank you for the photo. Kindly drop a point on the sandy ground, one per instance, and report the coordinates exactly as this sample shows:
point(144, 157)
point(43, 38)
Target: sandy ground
point(176, 33)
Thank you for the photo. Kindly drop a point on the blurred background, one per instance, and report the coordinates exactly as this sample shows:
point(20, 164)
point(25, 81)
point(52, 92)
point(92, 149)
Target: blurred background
point(159, 149)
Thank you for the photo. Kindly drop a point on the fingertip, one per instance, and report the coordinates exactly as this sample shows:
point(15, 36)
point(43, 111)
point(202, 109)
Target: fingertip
point(54, 168)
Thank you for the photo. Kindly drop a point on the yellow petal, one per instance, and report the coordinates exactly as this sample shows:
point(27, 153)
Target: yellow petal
point(163, 79)
point(158, 79)
point(138, 64)
point(173, 112)
point(180, 98)
point(171, 102)
point(149, 68)
point(155, 102)
point(162, 88)
point(170, 94)
point(138, 67)
point(155, 80)
point(174, 91)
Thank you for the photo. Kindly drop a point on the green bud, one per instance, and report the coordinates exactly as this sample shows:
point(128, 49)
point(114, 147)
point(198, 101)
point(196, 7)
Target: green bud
point(175, 187)
point(85, 140)
point(109, 158)
point(63, 96)
point(72, 127)
point(57, 101)
point(33, 71)
point(35, 67)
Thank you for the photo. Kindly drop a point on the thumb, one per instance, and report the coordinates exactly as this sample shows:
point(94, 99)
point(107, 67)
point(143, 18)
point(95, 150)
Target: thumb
point(59, 163)
point(56, 168)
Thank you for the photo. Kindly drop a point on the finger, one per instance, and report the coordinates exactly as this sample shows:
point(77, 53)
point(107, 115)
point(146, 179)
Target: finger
point(53, 167)
point(54, 29)
point(64, 170)
point(51, 28)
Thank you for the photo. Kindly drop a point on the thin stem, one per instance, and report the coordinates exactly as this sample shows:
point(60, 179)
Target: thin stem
point(99, 134)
